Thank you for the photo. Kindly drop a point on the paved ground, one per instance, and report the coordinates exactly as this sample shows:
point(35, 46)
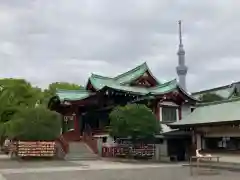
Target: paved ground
point(102, 170)
point(10, 164)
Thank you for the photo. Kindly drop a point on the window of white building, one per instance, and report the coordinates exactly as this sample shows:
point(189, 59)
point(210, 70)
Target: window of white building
point(169, 114)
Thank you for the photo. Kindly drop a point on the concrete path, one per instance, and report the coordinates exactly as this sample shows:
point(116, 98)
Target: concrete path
point(79, 166)
point(87, 165)
point(104, 170)
point(146, 173)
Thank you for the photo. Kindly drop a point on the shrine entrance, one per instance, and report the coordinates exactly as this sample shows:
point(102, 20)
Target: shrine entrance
point(178, 145)
point(94, 121)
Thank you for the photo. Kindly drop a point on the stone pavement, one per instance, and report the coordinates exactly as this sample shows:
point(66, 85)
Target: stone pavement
point(105, 170)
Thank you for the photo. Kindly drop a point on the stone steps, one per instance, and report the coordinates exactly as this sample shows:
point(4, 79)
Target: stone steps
point(80, 151)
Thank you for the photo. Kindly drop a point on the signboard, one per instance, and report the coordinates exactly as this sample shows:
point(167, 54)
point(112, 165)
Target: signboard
point(147, 150)
point(68, 118)
point(36, 149)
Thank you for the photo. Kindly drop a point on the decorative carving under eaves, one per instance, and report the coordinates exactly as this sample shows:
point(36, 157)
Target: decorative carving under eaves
point(168, 103)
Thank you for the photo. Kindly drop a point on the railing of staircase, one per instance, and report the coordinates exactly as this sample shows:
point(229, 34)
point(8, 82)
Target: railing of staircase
point(90, 140)
point(64, 143)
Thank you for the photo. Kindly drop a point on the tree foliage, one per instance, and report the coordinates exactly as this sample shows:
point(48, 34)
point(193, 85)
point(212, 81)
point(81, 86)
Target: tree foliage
point(133, 120)
point(34, 124)
point(15, 94)
point(19, 115)
point(211, 97)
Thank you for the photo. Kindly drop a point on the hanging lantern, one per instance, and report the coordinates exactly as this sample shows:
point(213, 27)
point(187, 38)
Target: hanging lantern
point(149, 103)
point(69, 118)
point(65, 118)
point(66, 103)
point(106, 92)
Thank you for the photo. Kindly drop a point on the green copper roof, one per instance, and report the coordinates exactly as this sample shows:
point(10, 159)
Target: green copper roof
point(72, 95)
point(133, 74)
point(121, 83)
point(99, 81)
point(82, 94)
point(161, 89)
point(164, 88)
point(216, 112)
point(225, 92)
point(106, 83)
point(130, 89)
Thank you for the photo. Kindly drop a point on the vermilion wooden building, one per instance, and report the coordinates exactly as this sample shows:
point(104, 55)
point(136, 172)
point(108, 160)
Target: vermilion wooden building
point(87, 110)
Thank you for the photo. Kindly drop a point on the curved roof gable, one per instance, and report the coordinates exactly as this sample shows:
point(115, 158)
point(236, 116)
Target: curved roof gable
point(99, 81)
point(134, 74)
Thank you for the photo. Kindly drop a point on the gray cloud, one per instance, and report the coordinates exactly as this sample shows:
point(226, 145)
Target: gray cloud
point(45, 41)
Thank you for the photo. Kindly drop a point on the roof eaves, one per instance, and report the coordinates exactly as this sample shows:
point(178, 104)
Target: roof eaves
point(91, 80)
point(162, 93)
point(213, 89)
point(124, 90)
point(100, 77)
point(187, 94)
point(174, 81)
point(167, 84)
point(93, 76)
point(62, 94)
point(72, 91)
point(234, 88)
point(179, 124)
point(218, 102)
point(82, 98)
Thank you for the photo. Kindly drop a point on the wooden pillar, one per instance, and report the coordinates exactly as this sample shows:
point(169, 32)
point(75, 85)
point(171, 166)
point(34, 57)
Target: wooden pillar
point(194, 144)
point(179, 113)
point(157, 111)
point(199, 141)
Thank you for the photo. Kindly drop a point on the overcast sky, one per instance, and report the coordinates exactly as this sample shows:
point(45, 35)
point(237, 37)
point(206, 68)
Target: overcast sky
point(65, 40)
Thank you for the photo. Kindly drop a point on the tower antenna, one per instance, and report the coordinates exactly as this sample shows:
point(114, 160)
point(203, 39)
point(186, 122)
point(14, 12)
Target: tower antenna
point(181, 68)
point(180, 32)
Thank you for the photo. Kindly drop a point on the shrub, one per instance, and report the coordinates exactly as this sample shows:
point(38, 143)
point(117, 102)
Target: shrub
point(133, 120)
point(34, 124)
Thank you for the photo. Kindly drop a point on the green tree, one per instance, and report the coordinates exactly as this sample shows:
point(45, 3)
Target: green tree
point(52, 88)
point(34, 124)
point(14, 94)
point(211, 97)
point(133, 120)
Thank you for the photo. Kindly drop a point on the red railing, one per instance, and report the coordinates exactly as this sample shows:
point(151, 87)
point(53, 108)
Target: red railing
point(90, 141)
point(109, 151)
point(64, 143)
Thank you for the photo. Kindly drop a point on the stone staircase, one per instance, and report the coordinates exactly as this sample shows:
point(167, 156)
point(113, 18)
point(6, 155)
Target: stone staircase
point(80, 151)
